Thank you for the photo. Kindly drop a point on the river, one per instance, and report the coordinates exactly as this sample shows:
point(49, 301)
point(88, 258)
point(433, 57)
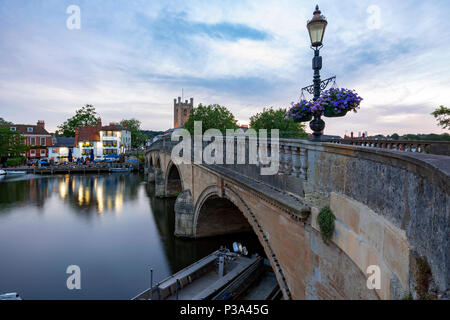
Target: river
point(111, 226)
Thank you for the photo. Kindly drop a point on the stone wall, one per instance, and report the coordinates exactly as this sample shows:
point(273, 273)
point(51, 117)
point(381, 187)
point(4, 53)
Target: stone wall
point(391, 207)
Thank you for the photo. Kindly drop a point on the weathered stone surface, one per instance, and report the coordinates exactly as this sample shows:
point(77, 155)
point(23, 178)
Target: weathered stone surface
point(387, 203)
point(346, 210)
point(396, 254)
point(184, 215)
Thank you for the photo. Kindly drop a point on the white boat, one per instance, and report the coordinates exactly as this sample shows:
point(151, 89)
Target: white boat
point(16, 172)
point(10, 296)
point(2, 172)
point(119, 169)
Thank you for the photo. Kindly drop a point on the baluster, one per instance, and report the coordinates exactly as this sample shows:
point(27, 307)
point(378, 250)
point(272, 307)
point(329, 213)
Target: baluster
point(281, 156)
point(287, 160)
point(304, 161)
point(296, 162)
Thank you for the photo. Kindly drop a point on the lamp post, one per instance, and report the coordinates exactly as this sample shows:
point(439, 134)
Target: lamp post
point(316, 28)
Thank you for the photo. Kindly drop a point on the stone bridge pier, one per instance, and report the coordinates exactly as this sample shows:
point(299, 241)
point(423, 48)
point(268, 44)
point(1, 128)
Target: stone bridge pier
point(391, 209)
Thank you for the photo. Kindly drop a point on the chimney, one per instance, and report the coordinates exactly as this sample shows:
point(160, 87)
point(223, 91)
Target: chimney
point(112, 124)
point(99, 123)
point(76, 137)
point(351, 134)
point(41, 123)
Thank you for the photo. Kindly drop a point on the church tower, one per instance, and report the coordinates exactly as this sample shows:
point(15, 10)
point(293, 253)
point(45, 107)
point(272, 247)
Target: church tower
point(181, 111)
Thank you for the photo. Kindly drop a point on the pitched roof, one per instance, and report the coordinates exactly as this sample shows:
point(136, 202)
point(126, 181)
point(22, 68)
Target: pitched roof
point(90, 133)
point(64, 142)
point(113, 127)
point(22, 128)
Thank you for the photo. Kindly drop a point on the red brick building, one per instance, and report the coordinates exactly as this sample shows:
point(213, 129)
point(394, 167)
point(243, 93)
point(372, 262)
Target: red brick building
point(36, 137)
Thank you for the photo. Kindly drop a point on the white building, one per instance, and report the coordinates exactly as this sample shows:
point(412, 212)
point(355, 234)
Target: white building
point(103, 140)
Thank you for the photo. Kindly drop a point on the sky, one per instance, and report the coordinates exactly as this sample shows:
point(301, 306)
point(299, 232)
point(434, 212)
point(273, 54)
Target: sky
point(130, 59)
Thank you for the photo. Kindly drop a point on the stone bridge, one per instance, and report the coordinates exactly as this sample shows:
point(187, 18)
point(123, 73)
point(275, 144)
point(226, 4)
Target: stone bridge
point(391, 208)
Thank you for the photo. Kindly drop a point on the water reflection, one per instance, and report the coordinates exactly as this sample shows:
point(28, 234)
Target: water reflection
point(43, 230)
point(87, 194)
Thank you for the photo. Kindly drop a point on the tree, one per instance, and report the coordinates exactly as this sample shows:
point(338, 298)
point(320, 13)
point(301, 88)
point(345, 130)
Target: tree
point(276, 119)
point(137, 136)
point(212, 117)
point(11, 143)
point(3, 121)
point(395, 136)
point(442, 115)
point(86, 116)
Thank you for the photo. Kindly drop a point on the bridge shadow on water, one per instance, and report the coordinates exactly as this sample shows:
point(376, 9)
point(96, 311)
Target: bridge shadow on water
point(182, 252)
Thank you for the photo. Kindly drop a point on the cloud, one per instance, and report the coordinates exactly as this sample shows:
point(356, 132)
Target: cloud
point(130, 59)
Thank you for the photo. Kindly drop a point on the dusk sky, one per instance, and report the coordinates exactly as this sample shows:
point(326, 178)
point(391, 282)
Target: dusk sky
point(130, 59)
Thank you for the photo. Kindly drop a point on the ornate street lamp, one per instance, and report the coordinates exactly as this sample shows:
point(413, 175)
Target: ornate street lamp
point(316, 28)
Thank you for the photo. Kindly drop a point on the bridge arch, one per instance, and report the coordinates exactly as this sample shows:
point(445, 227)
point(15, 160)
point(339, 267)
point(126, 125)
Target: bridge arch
point(173, 180)
point(209, 215)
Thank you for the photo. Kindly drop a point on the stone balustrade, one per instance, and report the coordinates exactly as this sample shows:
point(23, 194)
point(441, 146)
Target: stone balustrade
point(391, 206)
point(432, 147)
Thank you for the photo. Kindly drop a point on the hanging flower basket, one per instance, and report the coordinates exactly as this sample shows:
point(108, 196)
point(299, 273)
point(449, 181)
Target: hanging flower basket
point(332, 103)
point(300, 112)
point(337, 102)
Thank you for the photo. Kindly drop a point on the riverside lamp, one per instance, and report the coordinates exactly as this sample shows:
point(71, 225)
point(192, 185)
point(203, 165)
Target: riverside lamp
point(316, 28)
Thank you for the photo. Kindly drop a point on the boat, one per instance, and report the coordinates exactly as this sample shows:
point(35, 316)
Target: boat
point(2, 172)
point(15, 172)
point(222, 275)
point(10, 296)
point(119, 169)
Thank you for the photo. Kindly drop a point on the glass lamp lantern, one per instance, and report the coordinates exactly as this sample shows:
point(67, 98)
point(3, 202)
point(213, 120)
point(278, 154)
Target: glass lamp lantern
point(316, 28)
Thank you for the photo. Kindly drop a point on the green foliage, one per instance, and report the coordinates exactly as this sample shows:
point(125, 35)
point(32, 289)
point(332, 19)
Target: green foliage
point(137, 136)
point(276, 119)
point(442, 115)
point(3, 121)
point(86, 116)
point(417, 137)
point(325, 220)
point(11, 143)
point(213, 117)
point(14, 162)
point(151, 134)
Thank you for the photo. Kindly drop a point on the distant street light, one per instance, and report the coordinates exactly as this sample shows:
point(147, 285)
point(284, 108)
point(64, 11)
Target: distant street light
point(316, 28)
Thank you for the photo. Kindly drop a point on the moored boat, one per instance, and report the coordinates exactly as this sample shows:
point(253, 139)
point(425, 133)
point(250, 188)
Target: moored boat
point(119, 170)
point(2, 172)
point(13, 172)
point(222, 275)
point(10, 296)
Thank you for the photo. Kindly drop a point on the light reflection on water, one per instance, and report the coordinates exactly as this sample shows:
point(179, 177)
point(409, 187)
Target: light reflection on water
point(111, 226)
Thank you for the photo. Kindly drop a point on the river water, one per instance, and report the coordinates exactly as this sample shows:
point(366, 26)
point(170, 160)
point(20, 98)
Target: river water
point(111, 226)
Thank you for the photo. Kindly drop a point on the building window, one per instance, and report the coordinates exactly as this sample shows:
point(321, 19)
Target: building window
point(42, 141)
point(13, 128)
point(33, 152)
point(29, 129)
point(42, 153)
point(33, 141)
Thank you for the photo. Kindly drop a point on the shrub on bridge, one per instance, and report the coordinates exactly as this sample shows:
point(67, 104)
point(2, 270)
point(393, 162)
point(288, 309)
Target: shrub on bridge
point(325, 220)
